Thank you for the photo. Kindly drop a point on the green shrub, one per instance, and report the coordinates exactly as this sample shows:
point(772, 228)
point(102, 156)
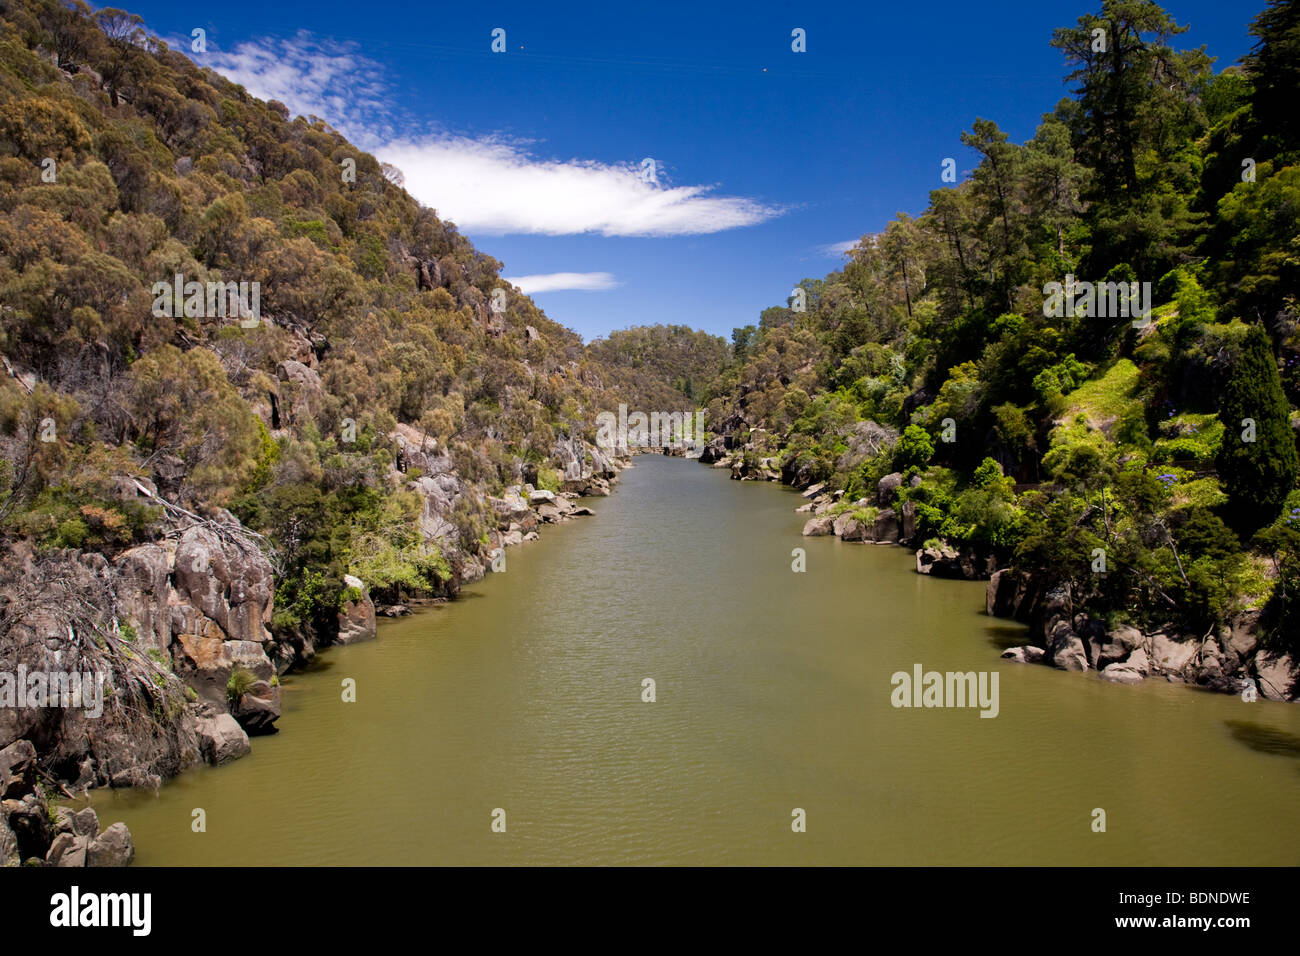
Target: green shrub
point(548, 479)
point(239, 683)
point(72, 533)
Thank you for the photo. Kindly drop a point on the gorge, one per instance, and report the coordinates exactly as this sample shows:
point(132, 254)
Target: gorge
point(274, 522)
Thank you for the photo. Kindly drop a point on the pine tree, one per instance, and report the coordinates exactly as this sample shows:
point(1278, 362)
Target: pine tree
point(1258, 462)
point(1274, 66)
point(1136, 116)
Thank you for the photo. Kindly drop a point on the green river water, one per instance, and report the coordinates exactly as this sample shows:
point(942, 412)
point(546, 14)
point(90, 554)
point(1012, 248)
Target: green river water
point(773, 693)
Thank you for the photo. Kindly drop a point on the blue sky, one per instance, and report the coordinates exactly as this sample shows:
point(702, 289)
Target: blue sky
point(764, 158)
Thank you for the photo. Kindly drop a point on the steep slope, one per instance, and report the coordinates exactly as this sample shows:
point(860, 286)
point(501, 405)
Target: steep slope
point(979, 382)
point(251, 387)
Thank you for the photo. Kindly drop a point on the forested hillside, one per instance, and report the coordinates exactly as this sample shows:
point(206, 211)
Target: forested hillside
point(1145, 463)
point(124, 164)
point(249, 384)
point(672, 355)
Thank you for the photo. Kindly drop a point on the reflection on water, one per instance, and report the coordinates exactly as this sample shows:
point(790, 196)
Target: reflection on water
point(1266, 740)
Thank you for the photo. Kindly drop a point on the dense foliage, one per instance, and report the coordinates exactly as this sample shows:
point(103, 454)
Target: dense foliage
point(1051, 436)
point(123, 164)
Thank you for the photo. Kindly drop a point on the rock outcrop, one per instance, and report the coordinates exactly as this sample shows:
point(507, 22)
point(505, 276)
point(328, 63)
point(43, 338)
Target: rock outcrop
point(165, 627)
point(1228, 660)
point(31, 834)
point(356, 618)
point(945, 562)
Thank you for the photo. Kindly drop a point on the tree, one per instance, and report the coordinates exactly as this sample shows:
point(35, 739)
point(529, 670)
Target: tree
point(914, 448)
point(1135, 123)
point(994, 187)
point(1274, 66)
point(1258, 462)
point(124, 32)
point(902, 246)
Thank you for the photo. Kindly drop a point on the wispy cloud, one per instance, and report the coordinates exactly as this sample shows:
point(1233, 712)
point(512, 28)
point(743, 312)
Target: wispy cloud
point(838, 248)
point(313, 76)
point(563, 281)
point(496, 187)
point(485, 184)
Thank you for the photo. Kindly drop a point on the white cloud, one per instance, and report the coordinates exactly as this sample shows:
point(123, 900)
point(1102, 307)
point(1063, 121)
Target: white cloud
point(494, 187)
point(561, 281)
point(486, 184)
point(838, 248)
point(311, 76)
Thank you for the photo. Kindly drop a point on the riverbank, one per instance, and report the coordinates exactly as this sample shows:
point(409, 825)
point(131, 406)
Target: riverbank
point(772, 691)
point(1231, 659)
point(177, 636)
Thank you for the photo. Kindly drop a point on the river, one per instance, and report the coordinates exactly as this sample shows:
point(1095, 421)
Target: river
point(772, 693)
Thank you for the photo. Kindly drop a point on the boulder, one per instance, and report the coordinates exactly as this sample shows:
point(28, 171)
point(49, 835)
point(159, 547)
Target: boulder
point(221, 739)
point(1093, 635)
point(1105, 653)
point(1171, 656)
point(1278, 676)
point(1066, 649)
point(1243, 636)
point(68, 850)
point(1071, 657)
point(137, 776)
point(849, 528)
point(415, 450)
point(540, 496)
point(207, 662)
point(941, 562)
point(356, 618)
point(441, 494)
point(300, 348)
point(909, 521)
point(1126, 637)
point(301, 391)
point(1027, 654)
point(84, 822)
point(886, 527)
point(1211, 670)
point(233, 587)
point(17, 770)
point(29, 819)
point(258, 708)
point(1122, 673)
point(812, 491)
point(999, 593)
point(113, 847)
point(1014, 594)
point(8, 845)
point(511, 508)
point(815, 527)
point(887, 489)
point(715, 451)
